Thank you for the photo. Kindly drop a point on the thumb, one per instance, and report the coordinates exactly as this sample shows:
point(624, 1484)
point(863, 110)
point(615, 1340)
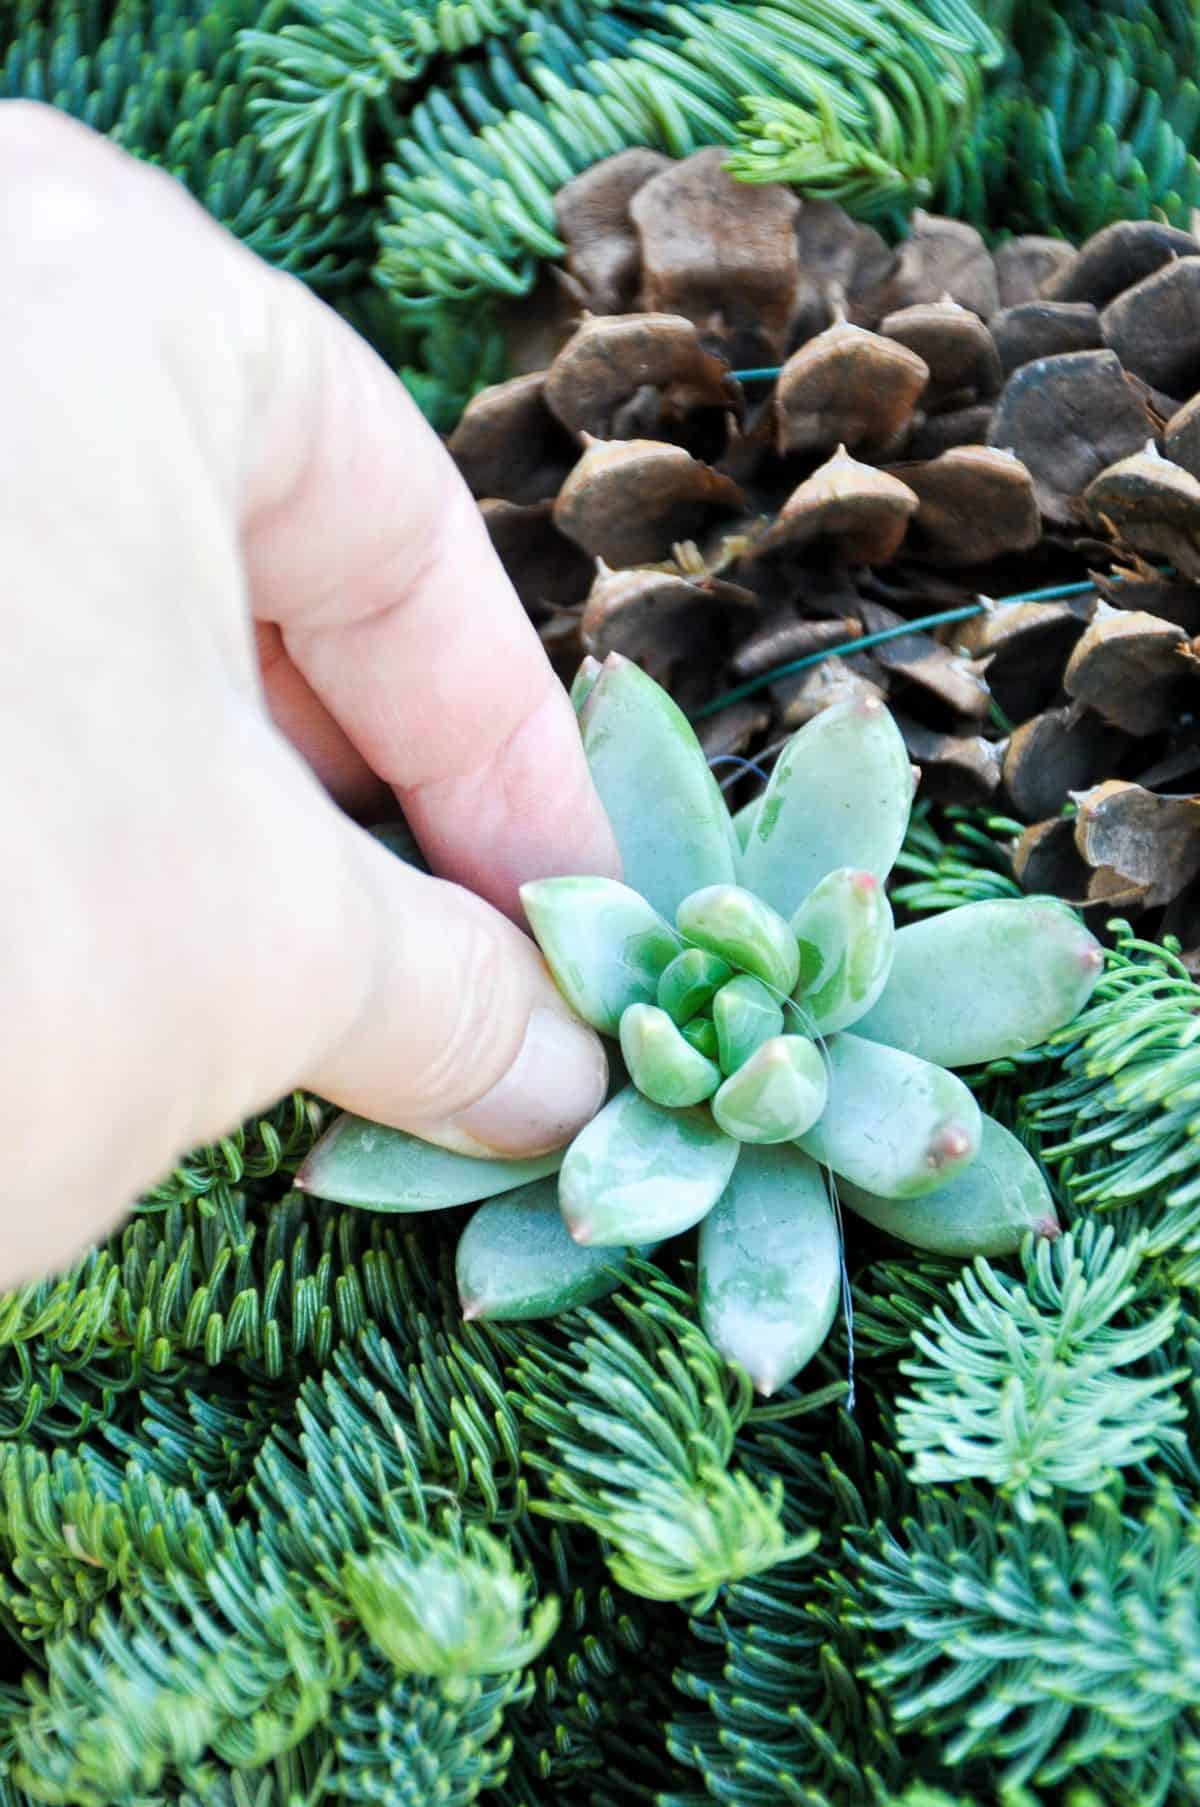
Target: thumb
point(449, 1024)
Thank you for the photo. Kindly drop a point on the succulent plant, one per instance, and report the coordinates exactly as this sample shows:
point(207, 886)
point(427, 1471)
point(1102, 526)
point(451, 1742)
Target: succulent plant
point(782, 1044)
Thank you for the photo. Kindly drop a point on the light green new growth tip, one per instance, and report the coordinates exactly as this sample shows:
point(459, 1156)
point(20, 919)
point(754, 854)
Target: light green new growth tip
point(779, 1036)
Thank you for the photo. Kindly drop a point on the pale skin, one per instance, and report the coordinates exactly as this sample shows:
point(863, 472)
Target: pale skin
point(246, 599)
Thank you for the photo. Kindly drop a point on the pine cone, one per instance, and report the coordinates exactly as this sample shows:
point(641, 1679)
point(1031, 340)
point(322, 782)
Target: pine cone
point(946, 423)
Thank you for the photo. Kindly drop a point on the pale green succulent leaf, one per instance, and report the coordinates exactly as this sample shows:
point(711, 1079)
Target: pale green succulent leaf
point(667, 812)
point(730, 921)
point(605, 945)
point(662, 1064)
point(845, 936)
point(985, 980)
point(638, 1173)
point(516, 1260)
point(743, 823)
point(745, 1015)
point(777, 1094)
point(987, 1209)
point(840, 795)
point(894, 1124)
point(688, 985)
point(701, 1032)
point(770, 1265)
point(361, 1163)
point(584, 679)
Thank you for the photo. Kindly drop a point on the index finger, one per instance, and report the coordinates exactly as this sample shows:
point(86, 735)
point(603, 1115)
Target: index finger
point(365, 546)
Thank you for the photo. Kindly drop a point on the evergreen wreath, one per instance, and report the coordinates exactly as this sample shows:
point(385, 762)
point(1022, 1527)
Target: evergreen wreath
point(276, 1527)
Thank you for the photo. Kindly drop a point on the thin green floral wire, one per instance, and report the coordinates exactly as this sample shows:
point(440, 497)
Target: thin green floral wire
point(946, 616)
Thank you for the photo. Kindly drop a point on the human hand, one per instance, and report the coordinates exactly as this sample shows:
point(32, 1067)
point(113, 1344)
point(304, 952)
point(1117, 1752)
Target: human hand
point(233, 557)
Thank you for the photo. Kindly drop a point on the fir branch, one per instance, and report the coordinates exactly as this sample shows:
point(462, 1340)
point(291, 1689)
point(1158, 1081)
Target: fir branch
point(248, 1655)
point(202, 1441)
point(954, 856)
point(262, 1149)
point(637, 1419)
point(1024, 1385)
point(1051, 1647)
point(782, 1710)
point(1093, 119)
point(888, 103)
point(895, 1299)
point(438, 1610)
point(598, 1693)
point(408, 1742)
point(334, 80)
point(297, 1779)
point(472, 180)
point(1121, 1119)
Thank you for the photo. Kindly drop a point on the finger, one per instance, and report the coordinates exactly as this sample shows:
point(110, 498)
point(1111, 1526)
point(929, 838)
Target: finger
point(300, 715)
point(436, 1013)
point(295, 952)
point(364, 545)
point(205, 927)
point(359, 539)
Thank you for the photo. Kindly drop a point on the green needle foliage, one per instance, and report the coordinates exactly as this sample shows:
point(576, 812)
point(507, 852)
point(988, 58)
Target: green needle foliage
point(1062, 1646)
point(634, 1427)
point(1027, 1386)
point(1092, 117)
point(1121, 1120)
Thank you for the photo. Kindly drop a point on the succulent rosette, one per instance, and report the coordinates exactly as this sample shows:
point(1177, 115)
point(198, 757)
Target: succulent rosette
point(781, 1044)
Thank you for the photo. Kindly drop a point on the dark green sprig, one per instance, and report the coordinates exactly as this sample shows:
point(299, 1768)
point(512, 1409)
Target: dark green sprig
point(1054, 1646)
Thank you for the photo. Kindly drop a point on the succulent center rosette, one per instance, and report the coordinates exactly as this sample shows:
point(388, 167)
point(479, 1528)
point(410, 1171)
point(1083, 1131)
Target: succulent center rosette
point(779, 1038)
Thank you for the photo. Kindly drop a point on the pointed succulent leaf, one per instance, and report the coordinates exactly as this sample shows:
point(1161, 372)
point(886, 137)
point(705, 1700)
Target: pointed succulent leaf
point(985, 980)
point(516, 1260)
point(840, 795)
point(894, 1124)
point(638, 1173)
point(604, 944)
point(689, 984)
point(661, 1064)
point(672, 827)
point(770, 1265)
point(988, 1209)
point(362, 1163)
point(585, 677)
point(738, 926)
point(743, 822)
point(732, 838)
point(745, 1015)
point(844, 932)
point(701, 1032)
point(777, 1094)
